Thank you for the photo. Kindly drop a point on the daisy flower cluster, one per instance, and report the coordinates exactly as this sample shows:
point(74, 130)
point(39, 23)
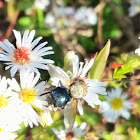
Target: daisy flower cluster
point(29, 100)
point(20, 100)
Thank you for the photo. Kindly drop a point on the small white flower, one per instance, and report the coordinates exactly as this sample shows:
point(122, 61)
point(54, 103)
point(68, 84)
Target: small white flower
point(73, 135)
point(138, 50)
point(42, 4)
point(86, 15)
point(79, 86)
point(66, 11)
point(50, 22)
point(134, 7)
point(6, 132)
point(116, 105)
point(46, 118)
point(28, 94)
point(7, 135)
point(9, 107)
point(26, 55)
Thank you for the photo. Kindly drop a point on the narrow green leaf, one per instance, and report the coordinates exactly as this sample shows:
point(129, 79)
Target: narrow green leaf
point(100, 62)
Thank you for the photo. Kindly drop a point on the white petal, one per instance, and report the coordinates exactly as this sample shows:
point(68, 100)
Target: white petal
point(83, 126)
point(75, 66)
point(18, 38)
point(35, 42)
point(42, 50)
point(80, 108)
point(24, 39)
point(41, 66)
point(13, 71)
point(13, 83)
point(39, 47)
point(36, 78)
point(89, 101)
point(10, 45)
point(30, 38)
point(46, 53)
point(4, 47)
point(86, 69)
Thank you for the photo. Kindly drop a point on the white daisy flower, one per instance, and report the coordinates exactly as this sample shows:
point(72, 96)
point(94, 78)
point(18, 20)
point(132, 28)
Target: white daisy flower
point(29, 96)
point(5, 134)
point(138, 50)
point(42, 4)
point(26, 55)
point(86, 15)
point(116, 105)
point(134, 8)
point(79, 86)
point(50, 22)
point(73, 135)
point(9, 107)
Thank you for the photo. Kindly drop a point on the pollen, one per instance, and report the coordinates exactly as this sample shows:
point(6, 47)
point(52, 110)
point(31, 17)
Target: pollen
point(28, 95)
point(3, 101)
point(117, 103)
point(67, 81)
point(21, 55)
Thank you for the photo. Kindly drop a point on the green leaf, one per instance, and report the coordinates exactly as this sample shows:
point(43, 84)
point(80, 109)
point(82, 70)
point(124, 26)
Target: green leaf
point(132, 63)
point(100, 62)
point(23, 4)
point(25, 21)
point(135, 135)
point(108, 136)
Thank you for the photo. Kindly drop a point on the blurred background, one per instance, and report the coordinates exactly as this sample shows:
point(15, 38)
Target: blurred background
point(83, 26)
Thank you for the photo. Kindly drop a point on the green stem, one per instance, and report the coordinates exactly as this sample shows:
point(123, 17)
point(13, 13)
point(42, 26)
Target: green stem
point(40, 18)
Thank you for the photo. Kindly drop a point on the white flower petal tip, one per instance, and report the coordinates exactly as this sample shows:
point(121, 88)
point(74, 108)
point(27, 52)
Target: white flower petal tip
point(80, 108)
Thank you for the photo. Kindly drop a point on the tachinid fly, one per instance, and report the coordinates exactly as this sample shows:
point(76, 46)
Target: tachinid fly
point(57, 97)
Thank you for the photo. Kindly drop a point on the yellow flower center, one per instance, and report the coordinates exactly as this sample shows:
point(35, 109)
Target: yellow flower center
point(117, 103)
point(0, 129)
point(28, 95)
point(3, 101)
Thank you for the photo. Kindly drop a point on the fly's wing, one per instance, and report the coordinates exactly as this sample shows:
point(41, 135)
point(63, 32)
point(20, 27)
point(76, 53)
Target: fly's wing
point(70, 114)
point(55, 71)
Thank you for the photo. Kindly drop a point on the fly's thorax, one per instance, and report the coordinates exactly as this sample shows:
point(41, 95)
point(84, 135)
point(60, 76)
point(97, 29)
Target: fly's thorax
point(78, 88)
point(58, 97)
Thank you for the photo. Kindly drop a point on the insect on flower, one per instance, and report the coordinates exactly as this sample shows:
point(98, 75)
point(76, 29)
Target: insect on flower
point(58, 97)
point(76, 87)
